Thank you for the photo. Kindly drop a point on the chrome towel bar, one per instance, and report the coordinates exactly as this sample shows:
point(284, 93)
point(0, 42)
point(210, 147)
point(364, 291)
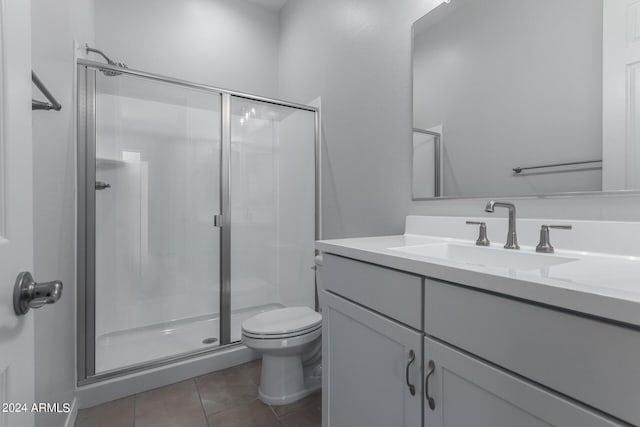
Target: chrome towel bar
point(520, 168)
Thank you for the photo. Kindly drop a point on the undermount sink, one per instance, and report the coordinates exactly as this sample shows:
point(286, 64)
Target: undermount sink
point(485, 256)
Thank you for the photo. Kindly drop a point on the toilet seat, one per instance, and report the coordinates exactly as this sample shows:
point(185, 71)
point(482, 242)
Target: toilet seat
point(281, 336)
point(286, 322)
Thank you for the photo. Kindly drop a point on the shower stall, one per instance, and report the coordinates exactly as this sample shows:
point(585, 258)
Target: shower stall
point(197, 208)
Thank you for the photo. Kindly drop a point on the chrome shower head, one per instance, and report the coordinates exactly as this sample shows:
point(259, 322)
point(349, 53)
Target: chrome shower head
point(112, 73)
point(109, 73)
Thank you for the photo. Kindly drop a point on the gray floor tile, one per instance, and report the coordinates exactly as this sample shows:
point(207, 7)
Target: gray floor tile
point(254, 414)
point(308, 417)
point(118, 413)
point(228, 398)
point(225, 389)
point(176, 405)
point(252, 369)
point(309, 403)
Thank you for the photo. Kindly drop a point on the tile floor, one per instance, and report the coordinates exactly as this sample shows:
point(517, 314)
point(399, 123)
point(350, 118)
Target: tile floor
point(221, 399)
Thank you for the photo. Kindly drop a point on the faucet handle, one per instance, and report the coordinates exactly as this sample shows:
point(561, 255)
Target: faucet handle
point(544, 246)
point(559, 227)
point(482, 237)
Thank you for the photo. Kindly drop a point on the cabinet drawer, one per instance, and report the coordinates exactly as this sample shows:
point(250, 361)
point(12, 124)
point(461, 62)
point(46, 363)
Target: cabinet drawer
point(395, 294)
point(592, 361)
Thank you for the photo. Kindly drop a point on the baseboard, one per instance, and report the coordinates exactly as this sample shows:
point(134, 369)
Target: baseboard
point(127, 385)
point(73, 414)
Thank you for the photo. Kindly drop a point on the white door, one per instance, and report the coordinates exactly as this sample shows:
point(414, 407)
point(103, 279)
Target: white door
point(371, 368)
point(16, 212)
point(621, 95)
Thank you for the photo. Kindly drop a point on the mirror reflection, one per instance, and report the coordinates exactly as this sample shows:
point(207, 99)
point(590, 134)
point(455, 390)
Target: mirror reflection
point(525, 97)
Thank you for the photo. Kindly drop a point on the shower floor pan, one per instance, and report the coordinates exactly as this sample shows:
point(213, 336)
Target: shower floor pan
point(121, 349)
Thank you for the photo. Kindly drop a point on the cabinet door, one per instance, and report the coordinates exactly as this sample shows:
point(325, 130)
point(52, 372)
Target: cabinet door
point(367, 370)
point(469, 392)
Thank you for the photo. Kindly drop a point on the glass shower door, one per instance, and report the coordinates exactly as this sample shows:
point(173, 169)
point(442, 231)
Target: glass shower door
point(272, 208)
point(157, 194)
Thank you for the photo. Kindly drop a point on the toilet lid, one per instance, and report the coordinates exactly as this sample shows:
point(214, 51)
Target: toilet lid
point(282, 321)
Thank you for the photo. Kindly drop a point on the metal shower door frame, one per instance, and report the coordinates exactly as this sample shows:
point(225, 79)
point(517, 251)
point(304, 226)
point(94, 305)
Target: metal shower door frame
point(437, 147)
point(86, 143)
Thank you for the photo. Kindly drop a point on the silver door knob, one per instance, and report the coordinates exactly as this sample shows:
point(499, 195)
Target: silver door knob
point(29, 294)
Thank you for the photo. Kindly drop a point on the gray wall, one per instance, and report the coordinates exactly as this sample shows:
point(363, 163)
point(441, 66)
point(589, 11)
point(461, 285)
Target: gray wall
point(356, 54)
point(225, 43)
point(54, 27)
point(513, 83)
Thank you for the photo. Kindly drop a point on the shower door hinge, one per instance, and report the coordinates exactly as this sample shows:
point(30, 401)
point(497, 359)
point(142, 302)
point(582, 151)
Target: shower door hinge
point(217, 220)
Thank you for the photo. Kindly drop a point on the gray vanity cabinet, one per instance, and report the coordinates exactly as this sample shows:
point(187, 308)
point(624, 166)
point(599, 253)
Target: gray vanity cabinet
point(588, 360)
point(497, 362)
point(367, 368)
point(469, 392)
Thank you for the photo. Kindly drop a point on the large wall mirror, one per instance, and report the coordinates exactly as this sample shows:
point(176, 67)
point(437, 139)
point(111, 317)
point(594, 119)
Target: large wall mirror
point(526, 97)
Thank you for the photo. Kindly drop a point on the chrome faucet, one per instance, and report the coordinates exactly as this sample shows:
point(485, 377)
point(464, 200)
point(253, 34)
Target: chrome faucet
point(512, 237)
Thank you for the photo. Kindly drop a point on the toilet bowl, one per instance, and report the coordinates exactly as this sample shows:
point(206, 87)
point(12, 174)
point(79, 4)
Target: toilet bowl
point(290, 340)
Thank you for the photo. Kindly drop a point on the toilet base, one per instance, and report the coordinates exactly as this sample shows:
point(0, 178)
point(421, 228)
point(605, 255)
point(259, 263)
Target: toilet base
point(284, 379)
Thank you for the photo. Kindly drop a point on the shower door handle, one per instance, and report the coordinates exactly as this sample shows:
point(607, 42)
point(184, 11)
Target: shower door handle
point(217, 221)
point(102, 185)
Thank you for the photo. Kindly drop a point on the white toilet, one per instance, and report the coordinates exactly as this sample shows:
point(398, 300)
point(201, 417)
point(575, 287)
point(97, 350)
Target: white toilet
point(290, 340)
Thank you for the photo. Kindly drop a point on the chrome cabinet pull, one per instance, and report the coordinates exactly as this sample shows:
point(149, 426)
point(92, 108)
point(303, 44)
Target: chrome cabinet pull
point(431, 369)
point(412, 358)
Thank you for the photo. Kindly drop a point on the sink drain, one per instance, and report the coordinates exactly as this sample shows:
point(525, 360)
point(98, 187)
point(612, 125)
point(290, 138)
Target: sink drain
point(209, 340)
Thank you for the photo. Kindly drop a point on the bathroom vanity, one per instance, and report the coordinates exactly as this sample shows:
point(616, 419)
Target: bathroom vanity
point(429, 329)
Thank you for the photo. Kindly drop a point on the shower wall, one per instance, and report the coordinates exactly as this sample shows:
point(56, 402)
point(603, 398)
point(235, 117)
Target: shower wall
point(253, 218)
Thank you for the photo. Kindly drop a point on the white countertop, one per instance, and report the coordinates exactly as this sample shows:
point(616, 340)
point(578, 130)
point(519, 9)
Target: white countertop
point(598, 284)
